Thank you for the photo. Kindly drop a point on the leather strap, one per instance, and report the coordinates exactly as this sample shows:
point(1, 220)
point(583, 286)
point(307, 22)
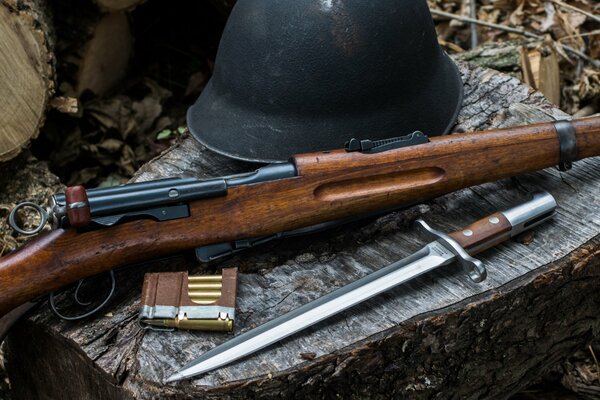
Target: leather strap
point(568, 144)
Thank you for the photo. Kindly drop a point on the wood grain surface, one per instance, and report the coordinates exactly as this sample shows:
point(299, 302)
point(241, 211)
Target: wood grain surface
point(439, 336)
point(26, 72)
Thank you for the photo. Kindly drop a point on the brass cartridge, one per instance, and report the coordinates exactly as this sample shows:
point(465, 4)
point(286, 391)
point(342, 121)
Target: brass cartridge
point(174, 300)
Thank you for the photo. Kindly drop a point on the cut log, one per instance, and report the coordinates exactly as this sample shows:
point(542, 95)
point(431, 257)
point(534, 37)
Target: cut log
point(106, 56)
point(93, 48)
point(26, 72)
point(440, 336)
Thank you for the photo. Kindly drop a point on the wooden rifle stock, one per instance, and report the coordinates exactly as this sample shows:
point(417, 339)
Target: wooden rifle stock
point(329, 186)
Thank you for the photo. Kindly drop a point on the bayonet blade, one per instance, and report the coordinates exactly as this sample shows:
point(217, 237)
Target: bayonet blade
point(428, 258)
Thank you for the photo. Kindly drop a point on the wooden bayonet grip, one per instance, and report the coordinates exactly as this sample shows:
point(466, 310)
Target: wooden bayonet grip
point(498, 227)
point(480, 235)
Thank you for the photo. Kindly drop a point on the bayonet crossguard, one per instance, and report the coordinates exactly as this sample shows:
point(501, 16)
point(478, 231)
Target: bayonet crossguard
point(446, 248)
point(475, 268)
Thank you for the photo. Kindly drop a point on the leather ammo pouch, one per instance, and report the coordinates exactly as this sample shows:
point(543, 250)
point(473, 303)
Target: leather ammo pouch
point(174, 300)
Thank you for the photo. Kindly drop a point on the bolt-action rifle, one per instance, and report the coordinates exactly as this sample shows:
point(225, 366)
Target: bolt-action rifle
point(97, 230)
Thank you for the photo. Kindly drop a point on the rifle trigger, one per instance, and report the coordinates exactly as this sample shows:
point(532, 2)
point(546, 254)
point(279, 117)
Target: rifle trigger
point(379, 146)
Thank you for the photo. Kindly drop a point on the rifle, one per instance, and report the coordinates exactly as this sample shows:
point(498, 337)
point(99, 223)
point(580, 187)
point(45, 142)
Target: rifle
point(100, 229)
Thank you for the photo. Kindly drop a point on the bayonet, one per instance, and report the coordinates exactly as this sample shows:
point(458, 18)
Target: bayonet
point(458, 247)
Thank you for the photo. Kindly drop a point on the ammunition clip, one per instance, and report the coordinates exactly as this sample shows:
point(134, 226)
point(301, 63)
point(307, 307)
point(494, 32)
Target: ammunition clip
point(174, 300)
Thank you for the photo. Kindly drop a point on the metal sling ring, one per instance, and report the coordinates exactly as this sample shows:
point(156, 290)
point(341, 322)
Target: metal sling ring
point(41, 212)
point(82, 316)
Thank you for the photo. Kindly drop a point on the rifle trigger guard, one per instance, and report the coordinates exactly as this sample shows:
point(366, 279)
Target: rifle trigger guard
point(41, 212)
point(54, 309)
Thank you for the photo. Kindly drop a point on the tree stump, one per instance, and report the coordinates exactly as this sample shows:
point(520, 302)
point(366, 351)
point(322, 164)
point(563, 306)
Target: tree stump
point(439, 336)
point(26, 72)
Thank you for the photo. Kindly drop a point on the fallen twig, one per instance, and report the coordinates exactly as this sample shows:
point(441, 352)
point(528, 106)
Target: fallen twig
point(473, 10)
point(575, 9)
point(584, 34)
point(518, 31)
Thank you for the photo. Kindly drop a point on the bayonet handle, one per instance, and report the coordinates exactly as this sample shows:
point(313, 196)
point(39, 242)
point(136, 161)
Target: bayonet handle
point(500, 226)
point(483, 234)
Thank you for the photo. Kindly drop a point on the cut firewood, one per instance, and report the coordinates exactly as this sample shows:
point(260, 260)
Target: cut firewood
point(528, 60)
point(26, 72)
point(93, 48)
point(106, 55)
point(541, 71)
point(549, 75)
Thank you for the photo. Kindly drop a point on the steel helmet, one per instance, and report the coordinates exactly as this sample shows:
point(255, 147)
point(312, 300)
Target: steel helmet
point(307, 75)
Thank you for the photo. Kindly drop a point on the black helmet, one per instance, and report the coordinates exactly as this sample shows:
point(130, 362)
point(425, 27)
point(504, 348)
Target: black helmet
point(307, 75)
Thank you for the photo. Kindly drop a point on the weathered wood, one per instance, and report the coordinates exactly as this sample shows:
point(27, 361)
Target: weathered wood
point(26, 72)
point(439, 336)
point(503, 57)
point(582, 373)
point(93, 48)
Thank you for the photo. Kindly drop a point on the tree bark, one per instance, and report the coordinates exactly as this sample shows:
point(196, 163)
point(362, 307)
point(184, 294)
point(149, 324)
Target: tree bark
point(439, 336)
point(26, 72)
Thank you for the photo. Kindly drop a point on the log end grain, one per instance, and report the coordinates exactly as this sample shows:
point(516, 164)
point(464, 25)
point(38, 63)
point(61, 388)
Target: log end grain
point(26, 74)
